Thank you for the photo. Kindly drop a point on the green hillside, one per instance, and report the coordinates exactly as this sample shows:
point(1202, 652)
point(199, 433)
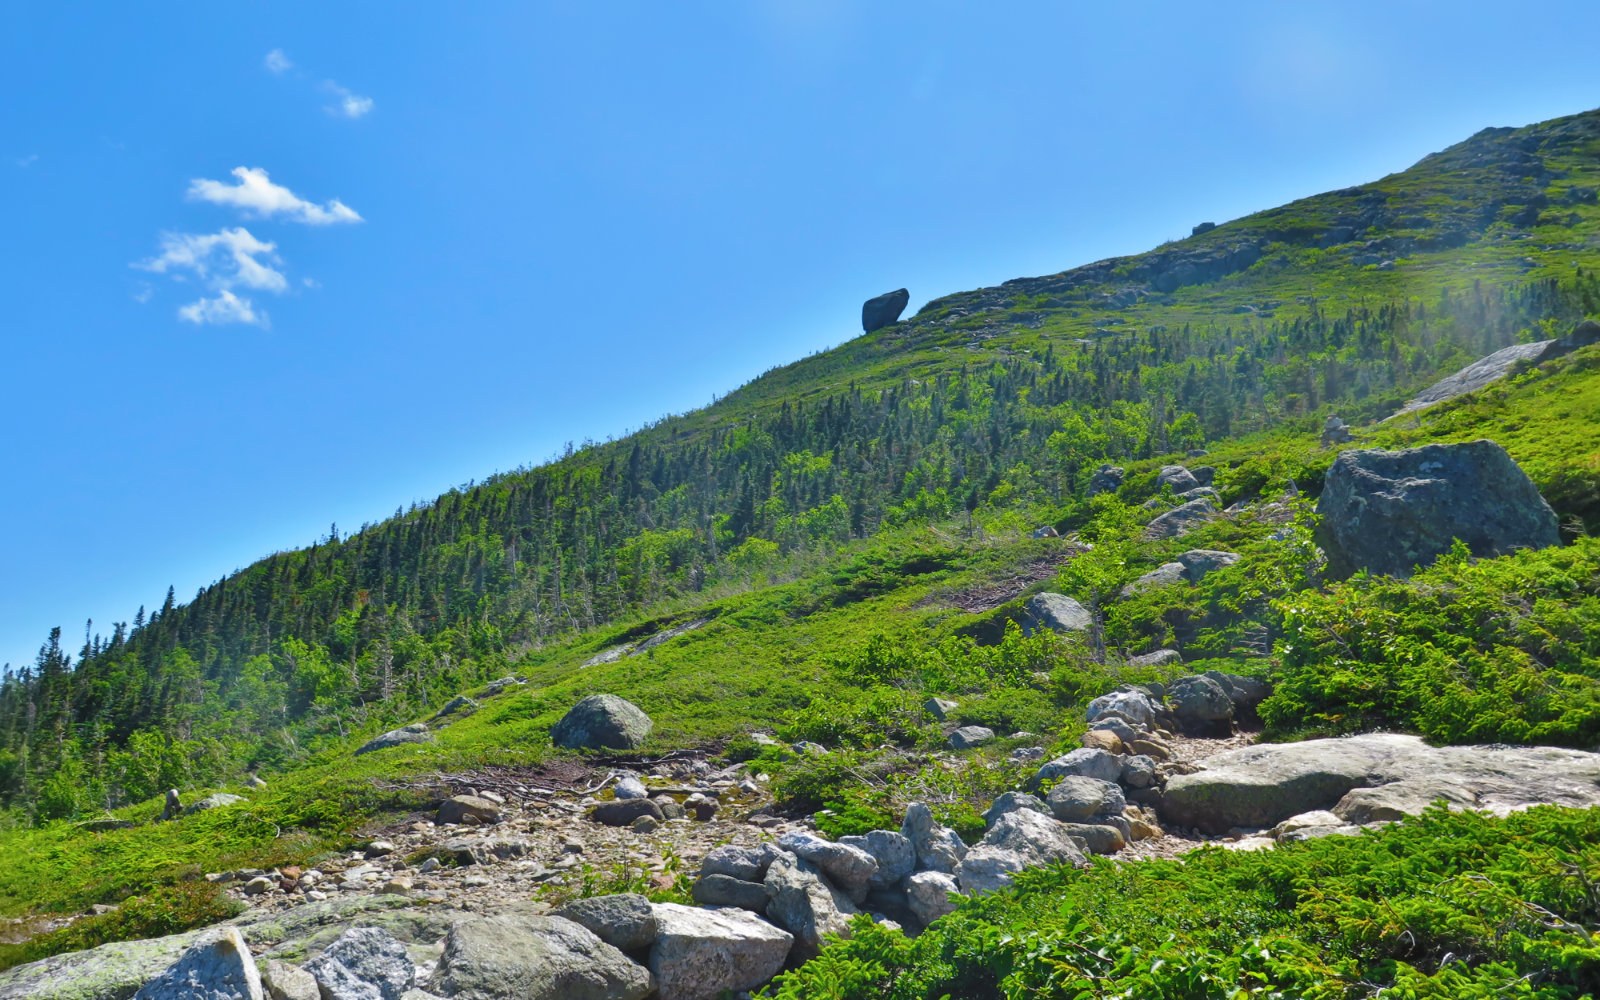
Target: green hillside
point(848, 534)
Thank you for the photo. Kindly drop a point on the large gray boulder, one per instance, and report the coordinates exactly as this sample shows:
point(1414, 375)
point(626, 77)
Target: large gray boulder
point(1011, 802)
point(1198, 563)
point(699, 954)
point(1018, 840)
point(1106, 479)
point(1179, 478)
point(724, 890)
point(1134, 706)
point(1074, 798)
point(415, 733)
point(928, 895)
point(1373, 777)
point(218, 966)
point(1181, 520)
point(1387, 511)
point(879, 311)
point(968, 737)
point(365, 963)
point(807, 905)
point(602, 722)
point(847, 866)
point(1056, 612)
point(1089, 762)
point(624, 920)
point(748, 864)
point(1201, 705)
point(1497, 365)
point(939, 848)
point(895, 854)
point(1165, 575)
point(534, 958)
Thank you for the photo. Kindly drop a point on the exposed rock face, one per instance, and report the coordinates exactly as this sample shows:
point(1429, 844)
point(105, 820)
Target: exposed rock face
point(1387, 511)
point(1056, 612)
point(884, 309)
point(216, 967)
point(624, 920)
point(748, 864)
point(940, 708)
point(1377, 776)
point(700, 953)
point(534, 958)
point(417, 733)
point(602, 722)
point(365, 963)
point(1157, 658)
point(1011, 802)
point(1019, 839)
point(283, 981)
point(1499, 364)
point(804, 903)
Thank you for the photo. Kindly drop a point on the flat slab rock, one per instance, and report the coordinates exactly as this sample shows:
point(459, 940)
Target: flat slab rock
point(1374, 777)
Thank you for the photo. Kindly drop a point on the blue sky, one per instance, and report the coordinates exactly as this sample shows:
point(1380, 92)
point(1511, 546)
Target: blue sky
point(271, 266)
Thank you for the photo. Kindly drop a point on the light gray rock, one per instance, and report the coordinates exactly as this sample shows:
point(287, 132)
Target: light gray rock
point(1138, 771)
point(218, 966)
point(1201, 493)
point(602, 722)
point(1074, 799)
point(174, 806)
point(1260, 786)
point(1106, 479)
point(1056, 612)
point(283, 981)
point(722, 890)
point(968, 737)
point(459, 704)
point(1019, 839)
point(807, 905)
point(1135, 706)
point(940, 708)
point(416, 733)
point(1476, 375)
point(1165, 575)
point(1199, 563)
point(939, 848)
point(1157, 658)
point(467, 809)
point(1244, 692)
point(622, 812)
point(748, 864)
point(895, 854)
point(1115, 725)
point(1201, 706)
point(530, 957)
point(365, 963)
point(1403, 798)
point(1387, 511)
point(1181, 520)
point(624, 920)
point(630, 787)
point(1177, 477)
point(848, 867)
point(1089, 762)
point(216, 801)
point(1306, 820)
point(1011, 802)
point(1099, 838)
point(699, 954)
point(928, 895)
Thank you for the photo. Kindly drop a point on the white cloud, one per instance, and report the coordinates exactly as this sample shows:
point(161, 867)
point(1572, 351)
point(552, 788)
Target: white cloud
point(224, 309)
point(261, 198)
point(27, 161)
point(227, 259)
point(351, 105)
point(277, 62)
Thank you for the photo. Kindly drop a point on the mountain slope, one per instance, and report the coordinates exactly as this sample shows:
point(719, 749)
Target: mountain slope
point(997, 403)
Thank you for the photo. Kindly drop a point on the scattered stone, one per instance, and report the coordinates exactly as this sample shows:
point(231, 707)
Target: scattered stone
point(467, 809)
point(622, 812)
point(1165, 575)
point(1135, 706)
point(364, 963)
point(893, 851)
point(1388, 511)
point(644, 824)
point(259, 885)
point(1199, 563)
point(1056, 612)
point(1011, 802)
point(217, 966)
point(1139, 770)
point(1102, 739)
point(254, 781)
point(882, 310)
point(630, 787)
point(415, 733)
point(376, 849)
point(1047, 531)
point(670, 807)
point(968, 737)
point(400, 885)
point(283, 981)
point(701, 807)
point(928, 895)
point(499, 686)
point(1116, 726)
point(724, 890)
point(1150, 749)
point(940, 708)
point(1244, 692)
point(623, 920)
point(939, 848)
point(702, 953)
point(1306, 820)
point(1097, 838)
point(531, 957)
point(602, 722)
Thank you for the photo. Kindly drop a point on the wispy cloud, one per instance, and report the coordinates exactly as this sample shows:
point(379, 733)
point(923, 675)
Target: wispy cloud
point(350, 104)
point(277, 62)
point(145, 293)
point(223, 309)
point(26, 161)
point(258, 197)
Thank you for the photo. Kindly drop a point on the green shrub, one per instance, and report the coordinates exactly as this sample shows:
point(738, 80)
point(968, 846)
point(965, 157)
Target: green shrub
point(169, 910)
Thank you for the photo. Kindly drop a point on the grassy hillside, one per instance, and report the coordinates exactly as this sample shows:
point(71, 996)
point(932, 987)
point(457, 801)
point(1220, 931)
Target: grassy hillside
point(849, 534)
